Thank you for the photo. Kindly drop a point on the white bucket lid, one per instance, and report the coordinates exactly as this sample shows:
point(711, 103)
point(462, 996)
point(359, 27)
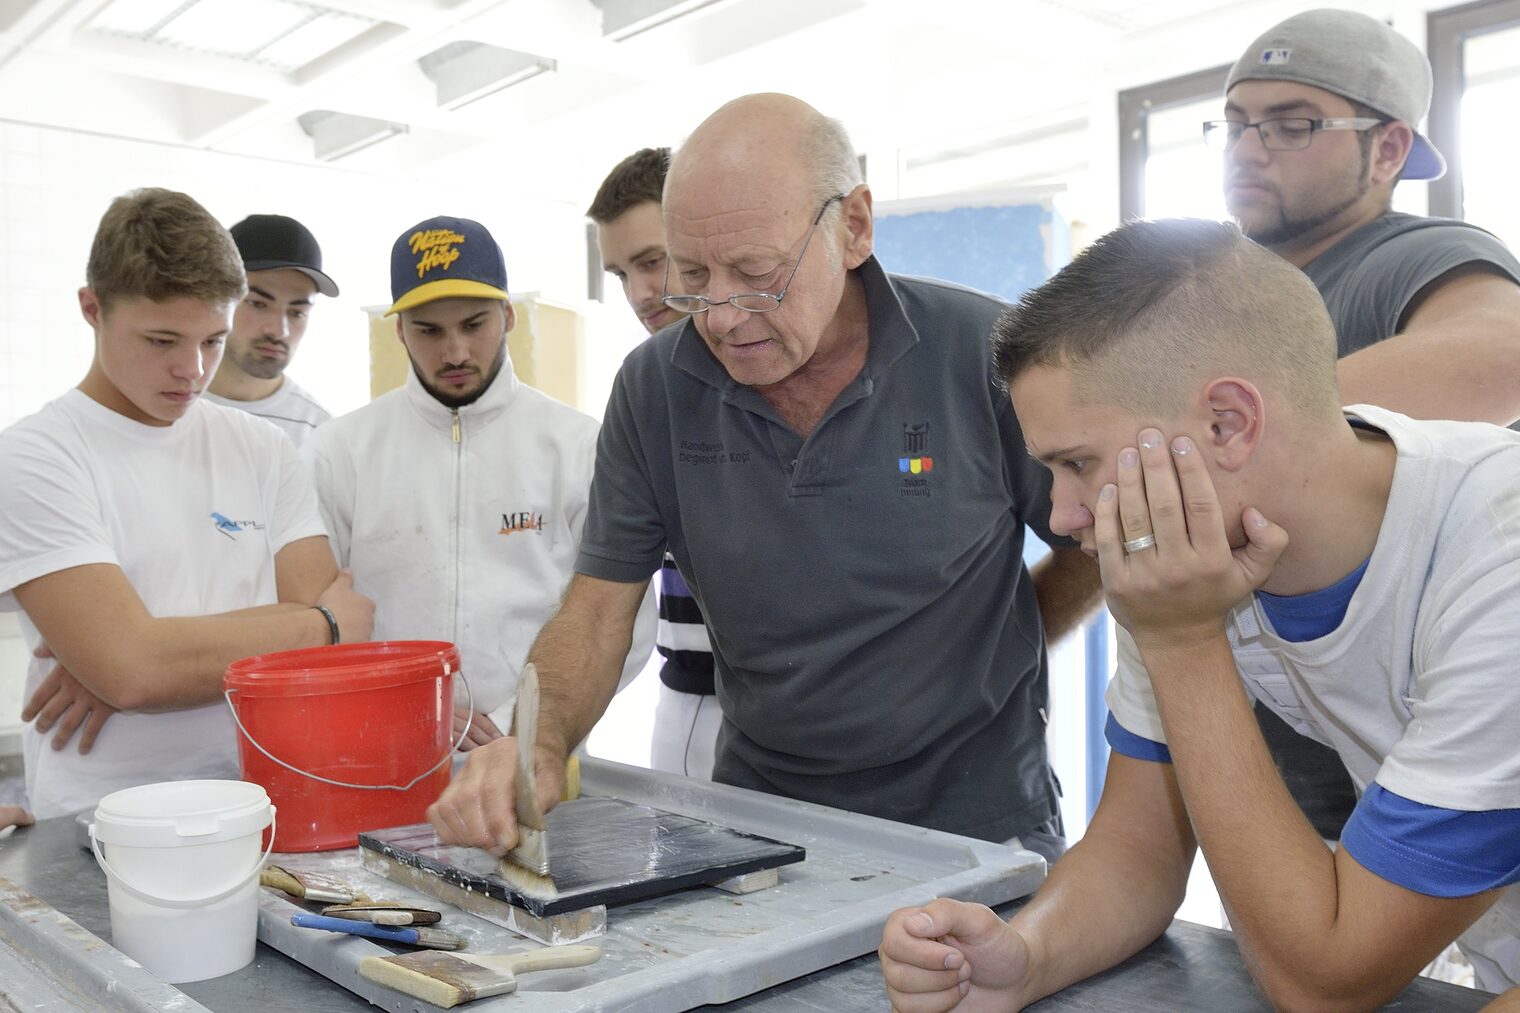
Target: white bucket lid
point(173, 814)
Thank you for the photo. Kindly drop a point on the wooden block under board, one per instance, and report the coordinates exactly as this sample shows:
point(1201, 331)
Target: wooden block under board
point(762, 880)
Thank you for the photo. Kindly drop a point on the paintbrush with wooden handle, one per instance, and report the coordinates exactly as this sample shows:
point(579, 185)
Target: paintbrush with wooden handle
point(448, 979)
point(532, 850)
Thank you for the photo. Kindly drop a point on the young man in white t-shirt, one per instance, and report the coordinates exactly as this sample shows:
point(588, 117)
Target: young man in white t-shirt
point(1354, 570)
point(150, 538)
point(284, 265)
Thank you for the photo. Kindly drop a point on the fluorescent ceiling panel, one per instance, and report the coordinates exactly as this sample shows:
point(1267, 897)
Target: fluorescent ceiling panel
point(134, 17)
point(313, 39)
point(286, 34)
point(241, 27)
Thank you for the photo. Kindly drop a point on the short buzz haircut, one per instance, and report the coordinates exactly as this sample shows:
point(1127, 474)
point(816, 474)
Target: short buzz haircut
point(161, 245)
point(636, 179)
point(1155, 308)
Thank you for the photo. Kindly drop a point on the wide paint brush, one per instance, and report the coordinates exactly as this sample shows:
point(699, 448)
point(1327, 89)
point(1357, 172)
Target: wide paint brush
point(532, 851)
point(448, 979)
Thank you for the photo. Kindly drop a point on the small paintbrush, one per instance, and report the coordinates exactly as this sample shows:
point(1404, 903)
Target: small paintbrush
point(436, 939)
point(448, 979)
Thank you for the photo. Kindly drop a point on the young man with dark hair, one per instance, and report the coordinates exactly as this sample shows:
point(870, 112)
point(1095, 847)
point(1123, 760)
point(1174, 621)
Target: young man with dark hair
point(1321, 122)
point(1354, 570)
point(458, 500)
point(284, 265)
point(630, 231)
point(149, 538)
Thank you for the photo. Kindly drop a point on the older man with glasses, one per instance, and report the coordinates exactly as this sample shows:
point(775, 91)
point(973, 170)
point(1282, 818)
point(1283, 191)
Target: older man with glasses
point(824, 450)
point(1321, 117)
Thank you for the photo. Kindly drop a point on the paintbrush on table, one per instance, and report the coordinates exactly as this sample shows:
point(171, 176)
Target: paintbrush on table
point(310, 886)
point(448, 979)
point(435, 939)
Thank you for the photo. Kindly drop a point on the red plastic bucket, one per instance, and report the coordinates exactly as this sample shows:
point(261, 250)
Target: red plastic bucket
point(346, 738)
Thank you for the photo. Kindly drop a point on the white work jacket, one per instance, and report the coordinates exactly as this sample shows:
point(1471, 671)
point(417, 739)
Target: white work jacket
point(463, 524)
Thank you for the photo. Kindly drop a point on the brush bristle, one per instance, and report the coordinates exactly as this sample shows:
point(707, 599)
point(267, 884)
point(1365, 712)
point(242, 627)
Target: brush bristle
point(526, 881)
point(435, 977)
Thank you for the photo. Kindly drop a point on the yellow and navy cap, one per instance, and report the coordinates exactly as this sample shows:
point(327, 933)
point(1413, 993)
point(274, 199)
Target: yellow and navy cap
point(445, 258)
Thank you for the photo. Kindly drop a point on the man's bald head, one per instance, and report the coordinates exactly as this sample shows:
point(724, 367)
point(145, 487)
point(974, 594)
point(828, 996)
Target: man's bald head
point(775, 146)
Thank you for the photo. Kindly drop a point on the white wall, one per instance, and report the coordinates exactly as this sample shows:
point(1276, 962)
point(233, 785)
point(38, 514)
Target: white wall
point(55, 184)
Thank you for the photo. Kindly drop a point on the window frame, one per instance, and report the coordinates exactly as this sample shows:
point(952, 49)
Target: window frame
point(1135, 107)
point(1446, 35)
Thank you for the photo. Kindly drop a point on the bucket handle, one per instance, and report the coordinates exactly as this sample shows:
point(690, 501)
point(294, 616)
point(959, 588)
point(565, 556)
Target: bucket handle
point(191, 902)
point(470, 709)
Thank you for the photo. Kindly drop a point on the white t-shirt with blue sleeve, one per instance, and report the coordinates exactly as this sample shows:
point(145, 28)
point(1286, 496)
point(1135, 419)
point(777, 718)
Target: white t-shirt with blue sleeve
point(1415, 687)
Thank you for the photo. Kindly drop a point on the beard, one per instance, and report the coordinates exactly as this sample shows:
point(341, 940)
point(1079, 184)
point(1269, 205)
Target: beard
point(1288, 225)
point(452, 401)
point(255, 365)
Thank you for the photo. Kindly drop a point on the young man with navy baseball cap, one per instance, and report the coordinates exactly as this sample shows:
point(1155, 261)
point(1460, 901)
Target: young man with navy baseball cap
point(458, 499)
point(284, 266)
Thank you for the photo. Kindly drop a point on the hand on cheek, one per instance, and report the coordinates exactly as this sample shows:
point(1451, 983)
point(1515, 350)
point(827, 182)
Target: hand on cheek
point(1179, 588)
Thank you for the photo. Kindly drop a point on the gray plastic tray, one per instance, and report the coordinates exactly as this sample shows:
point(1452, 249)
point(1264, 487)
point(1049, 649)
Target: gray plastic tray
point(697, 946)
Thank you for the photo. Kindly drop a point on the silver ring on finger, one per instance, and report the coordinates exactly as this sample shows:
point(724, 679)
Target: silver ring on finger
point(1140, 544)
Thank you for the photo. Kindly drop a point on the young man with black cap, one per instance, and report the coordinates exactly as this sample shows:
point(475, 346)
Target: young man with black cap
point(458, 500)
point(630, 231)
point(1321, 116)
point(284, 265)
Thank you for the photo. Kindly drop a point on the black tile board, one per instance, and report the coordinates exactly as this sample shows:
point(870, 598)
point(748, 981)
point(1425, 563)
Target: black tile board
point(601, 851)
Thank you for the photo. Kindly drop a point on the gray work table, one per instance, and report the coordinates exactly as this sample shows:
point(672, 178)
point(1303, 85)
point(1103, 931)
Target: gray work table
point(1190, 968)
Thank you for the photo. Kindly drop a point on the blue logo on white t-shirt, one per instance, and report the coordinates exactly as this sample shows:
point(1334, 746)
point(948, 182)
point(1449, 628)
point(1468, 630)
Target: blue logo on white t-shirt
point(232, 528)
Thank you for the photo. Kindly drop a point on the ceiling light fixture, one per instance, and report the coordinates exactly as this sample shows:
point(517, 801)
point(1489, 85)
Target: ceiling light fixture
point(623, 19)
point(465, 72)
point(337, 135)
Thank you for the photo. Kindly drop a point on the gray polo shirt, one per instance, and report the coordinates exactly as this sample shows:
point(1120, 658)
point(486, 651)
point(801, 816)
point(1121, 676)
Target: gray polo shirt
point(877, 642)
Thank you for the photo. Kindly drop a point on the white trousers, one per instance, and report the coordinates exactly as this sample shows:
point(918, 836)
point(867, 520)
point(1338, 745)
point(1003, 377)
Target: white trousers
point(685, 733)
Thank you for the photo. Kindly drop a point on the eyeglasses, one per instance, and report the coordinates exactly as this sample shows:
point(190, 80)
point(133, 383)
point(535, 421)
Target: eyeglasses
point(750, 302)
point(1291, 134)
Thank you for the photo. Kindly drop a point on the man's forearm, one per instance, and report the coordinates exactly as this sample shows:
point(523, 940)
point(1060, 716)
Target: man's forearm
point(1277, 878)
point(1118, 888)
point(1069, 589)
point(1431, 376)
point(1455, 354)
point(189, 655)
point(580, 655)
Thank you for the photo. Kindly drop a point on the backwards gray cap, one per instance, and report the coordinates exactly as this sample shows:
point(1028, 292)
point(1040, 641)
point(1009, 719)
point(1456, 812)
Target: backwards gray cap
point(1354, 56)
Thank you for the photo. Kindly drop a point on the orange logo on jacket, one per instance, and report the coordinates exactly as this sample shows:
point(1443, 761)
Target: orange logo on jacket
point(523, 520)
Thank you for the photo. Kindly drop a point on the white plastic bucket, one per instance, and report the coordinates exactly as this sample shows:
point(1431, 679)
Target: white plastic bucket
point(182, 861)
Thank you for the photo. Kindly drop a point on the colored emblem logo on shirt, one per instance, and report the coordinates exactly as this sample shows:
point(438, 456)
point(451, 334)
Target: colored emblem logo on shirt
point(915, 444)
point(439, 249)
point(232, 528)
point(523, 520)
